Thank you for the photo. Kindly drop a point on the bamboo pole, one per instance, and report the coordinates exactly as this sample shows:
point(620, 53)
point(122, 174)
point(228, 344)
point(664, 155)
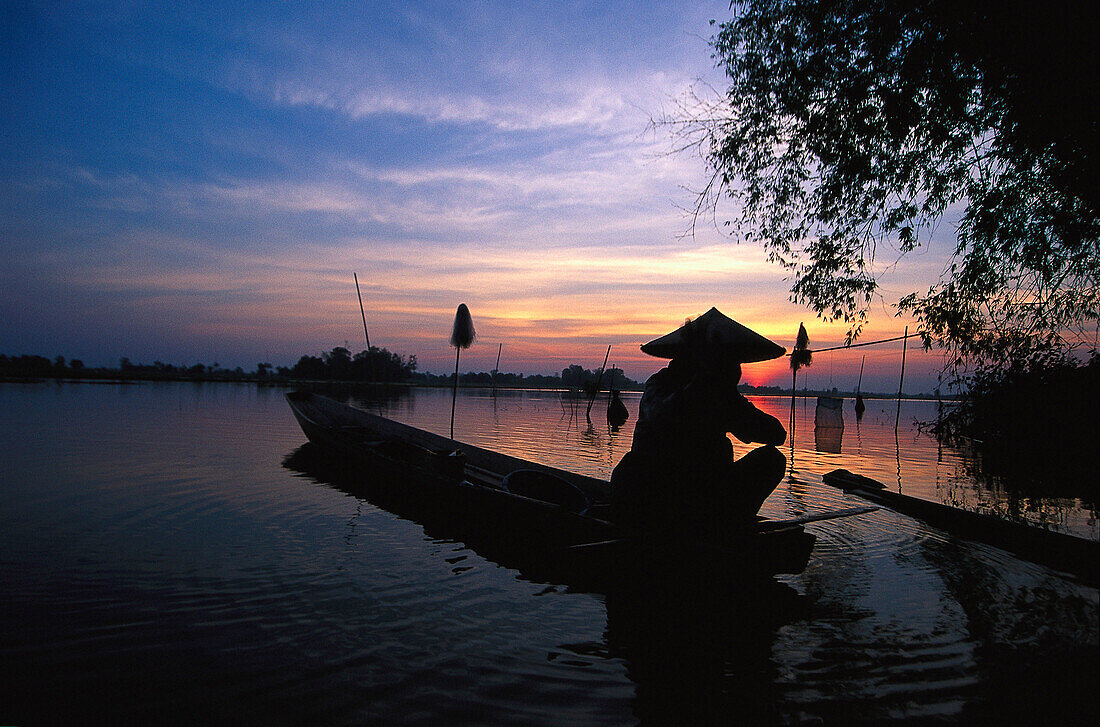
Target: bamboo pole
point(860, 407)
point(800, 356)
point(496, 369)
point(462, 336)
point(454, 390)
point(599, 380)
point(370, 359)
point(901, 383)
point(794, 393)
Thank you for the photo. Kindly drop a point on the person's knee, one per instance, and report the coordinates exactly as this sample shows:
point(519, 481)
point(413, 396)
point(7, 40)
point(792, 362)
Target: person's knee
point(634, 488)
point(766, 463)
point(624, 471)
point(775, 460)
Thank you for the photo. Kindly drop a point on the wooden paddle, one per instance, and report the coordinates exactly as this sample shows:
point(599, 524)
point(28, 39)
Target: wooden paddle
point(831, 515)
point(764, 527)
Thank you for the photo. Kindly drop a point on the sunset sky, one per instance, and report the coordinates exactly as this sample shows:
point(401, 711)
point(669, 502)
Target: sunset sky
point(197, 183)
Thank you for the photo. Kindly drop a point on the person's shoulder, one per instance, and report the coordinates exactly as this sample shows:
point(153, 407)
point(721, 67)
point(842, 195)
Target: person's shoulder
point(663, 379)
point(658, 377)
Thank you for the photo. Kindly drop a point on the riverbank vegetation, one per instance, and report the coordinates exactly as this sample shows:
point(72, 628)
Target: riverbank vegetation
point(1040, 422)
point(337, 365)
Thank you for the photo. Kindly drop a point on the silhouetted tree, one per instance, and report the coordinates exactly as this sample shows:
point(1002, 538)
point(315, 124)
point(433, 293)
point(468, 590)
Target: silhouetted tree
point(382, 365)
point(338, 364)
point(309, 367)
point(850, 129)
point(26, 366)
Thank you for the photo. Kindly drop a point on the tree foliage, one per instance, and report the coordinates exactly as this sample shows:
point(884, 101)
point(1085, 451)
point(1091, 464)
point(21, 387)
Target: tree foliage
point(850, 129)
point(379, 364)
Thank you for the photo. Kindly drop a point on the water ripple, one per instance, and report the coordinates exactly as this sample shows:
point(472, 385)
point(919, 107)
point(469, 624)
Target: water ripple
point(164, 567)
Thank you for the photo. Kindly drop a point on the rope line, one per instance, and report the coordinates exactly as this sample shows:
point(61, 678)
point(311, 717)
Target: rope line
point(867, 343)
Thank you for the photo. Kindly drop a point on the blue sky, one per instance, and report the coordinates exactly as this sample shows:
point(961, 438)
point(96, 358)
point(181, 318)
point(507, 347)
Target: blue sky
point(197, 182)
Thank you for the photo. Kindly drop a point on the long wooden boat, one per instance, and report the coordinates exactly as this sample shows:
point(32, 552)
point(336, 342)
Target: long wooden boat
point(528, 505)
point(1061, 551)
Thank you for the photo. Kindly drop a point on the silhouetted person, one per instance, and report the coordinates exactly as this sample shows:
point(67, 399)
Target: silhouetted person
point(680, 473)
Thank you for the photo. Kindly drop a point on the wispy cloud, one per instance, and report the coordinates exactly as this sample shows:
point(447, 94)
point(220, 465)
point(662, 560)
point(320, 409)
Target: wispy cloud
point(206, 178)
point(591, 108)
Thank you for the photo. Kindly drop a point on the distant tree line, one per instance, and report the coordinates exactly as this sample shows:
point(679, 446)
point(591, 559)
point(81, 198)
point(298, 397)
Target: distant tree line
point(335, 365)
point(571, 377)
point(339, 364)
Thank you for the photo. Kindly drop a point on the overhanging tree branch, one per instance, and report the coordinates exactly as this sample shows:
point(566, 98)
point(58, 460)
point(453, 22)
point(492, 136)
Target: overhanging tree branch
point(850, 128)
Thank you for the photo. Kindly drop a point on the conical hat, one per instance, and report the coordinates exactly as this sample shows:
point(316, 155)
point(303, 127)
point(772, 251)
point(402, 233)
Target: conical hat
point(717, 332)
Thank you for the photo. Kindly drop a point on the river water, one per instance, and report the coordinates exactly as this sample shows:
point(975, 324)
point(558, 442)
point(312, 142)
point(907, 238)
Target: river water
point(168, 554)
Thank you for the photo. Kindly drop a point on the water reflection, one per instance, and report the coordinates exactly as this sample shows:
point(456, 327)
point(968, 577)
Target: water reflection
point(828, 439)
point(701, 655)
point(437, 518)
point(163, 566)
point(889, 621)
point(550, 427)
point(1026, 626)
point(696, 643)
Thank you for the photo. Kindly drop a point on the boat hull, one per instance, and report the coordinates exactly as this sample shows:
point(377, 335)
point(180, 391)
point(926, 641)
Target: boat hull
point(407, 470)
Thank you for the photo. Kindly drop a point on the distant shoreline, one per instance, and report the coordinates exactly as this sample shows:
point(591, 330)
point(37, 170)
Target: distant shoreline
point(320, 383)
point(376, 367)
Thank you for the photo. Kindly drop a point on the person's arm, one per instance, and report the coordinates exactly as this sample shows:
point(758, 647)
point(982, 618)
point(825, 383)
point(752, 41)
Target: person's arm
point(751, 425)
